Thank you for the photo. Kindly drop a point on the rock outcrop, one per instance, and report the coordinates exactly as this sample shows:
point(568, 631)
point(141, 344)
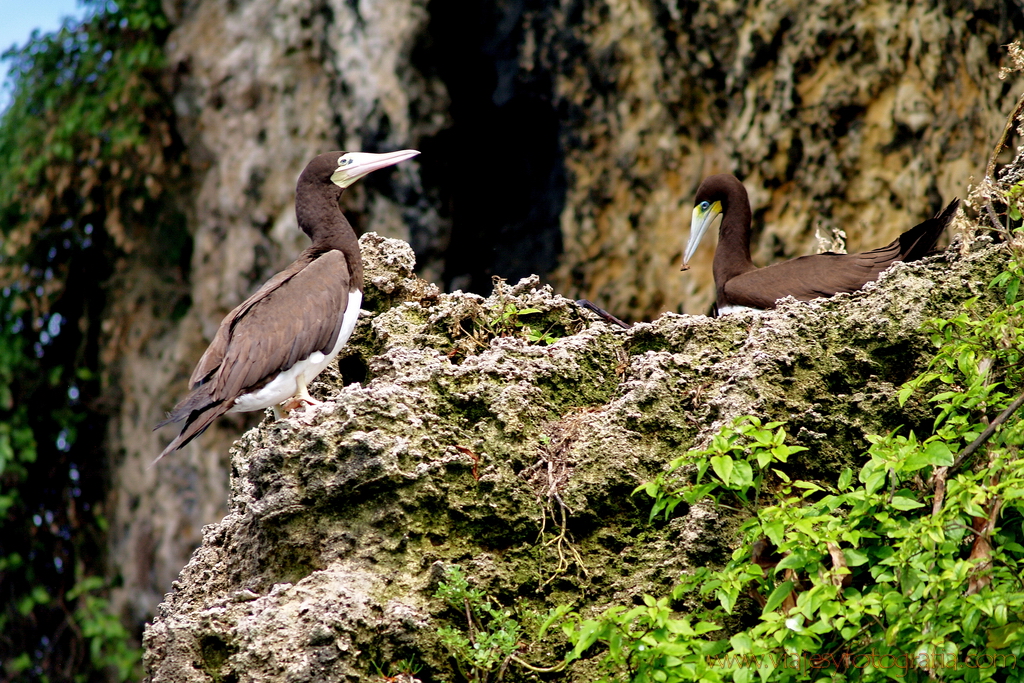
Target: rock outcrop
point(559, 136)
point(452, 433)
point(859, 116)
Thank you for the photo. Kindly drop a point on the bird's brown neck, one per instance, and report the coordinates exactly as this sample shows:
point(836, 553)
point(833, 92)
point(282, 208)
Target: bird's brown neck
point(732, 256)
point(320, 217)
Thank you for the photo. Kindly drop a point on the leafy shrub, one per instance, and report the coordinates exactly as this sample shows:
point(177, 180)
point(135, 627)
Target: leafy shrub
point(910, 570)
point(86, 150)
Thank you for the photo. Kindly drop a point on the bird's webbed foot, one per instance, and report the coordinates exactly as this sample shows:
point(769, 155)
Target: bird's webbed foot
point(296, 402)
point(300, 399)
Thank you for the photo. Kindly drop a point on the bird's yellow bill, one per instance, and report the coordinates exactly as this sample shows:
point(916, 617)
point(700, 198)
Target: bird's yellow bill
point(704, 215)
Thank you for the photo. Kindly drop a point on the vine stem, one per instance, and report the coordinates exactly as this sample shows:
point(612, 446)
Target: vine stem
point(538, 669)
point(990, 170)
point(987, 434)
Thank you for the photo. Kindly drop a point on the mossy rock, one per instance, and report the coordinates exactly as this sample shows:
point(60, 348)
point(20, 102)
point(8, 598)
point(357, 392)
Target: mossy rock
point(462, 442)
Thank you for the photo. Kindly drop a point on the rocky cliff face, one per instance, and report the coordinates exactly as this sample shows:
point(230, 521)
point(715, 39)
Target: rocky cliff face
point(464, 442)
point(560, 138)
point(259, 89)
point(861, 116)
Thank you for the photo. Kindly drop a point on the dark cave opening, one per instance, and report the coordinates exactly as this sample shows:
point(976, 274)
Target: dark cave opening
point(499, 168)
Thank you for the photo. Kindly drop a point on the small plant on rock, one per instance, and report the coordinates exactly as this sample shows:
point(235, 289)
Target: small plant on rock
point(738, 458)
point(493, 637)
point(909, 569)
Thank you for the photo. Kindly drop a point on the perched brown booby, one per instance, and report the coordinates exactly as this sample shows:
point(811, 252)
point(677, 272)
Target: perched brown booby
point(739, 284)
point(275, 342)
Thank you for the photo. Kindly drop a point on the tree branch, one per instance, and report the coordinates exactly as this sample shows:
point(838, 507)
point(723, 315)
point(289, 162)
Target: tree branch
point(987, 434)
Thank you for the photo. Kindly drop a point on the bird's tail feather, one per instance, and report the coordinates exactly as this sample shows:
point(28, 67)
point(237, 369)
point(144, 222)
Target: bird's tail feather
point(919, 241)
point(196, 424)
point(197, 400)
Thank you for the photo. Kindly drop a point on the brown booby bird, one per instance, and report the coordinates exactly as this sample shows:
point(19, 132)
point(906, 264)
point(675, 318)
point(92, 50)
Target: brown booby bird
point(739, 284)
point(275, 342)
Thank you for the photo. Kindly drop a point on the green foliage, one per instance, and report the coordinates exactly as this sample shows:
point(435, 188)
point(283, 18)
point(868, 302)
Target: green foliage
point(1015, 201)
point(70, 87)
point(646, 641)
point(910, 570)
point(509, 323)
point(85, 150)
point(108, 639)
point(402, 671)
point(501, 316)
point(485, 648)
point(493, 635)
point(738, 458)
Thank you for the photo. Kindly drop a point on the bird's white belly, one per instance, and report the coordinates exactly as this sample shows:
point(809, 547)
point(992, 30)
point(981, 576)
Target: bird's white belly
point(725, 310)
point(285, 385)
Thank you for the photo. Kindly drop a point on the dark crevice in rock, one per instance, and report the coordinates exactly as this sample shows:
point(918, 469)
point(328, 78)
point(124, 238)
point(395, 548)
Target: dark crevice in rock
point(499, 168)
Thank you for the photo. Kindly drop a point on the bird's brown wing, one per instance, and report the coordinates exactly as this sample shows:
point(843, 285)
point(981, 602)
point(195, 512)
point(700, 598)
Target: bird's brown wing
point(283, 326)
point(809, 277)
point(267, 332)
point(214, 354)
point(819, 275)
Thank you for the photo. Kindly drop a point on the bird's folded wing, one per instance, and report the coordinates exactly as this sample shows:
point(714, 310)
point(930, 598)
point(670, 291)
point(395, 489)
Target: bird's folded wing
point(278, 326)
point(809, 277)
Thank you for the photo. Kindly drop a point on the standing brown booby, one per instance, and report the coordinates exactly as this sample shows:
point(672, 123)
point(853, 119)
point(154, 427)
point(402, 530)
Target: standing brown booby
point(275, 342)
point(739, 284)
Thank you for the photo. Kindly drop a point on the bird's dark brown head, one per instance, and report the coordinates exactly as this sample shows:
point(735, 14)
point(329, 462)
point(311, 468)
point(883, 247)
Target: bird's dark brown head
point(321, 184)
point(715, 196)
point(318, 172)
point(724, 188)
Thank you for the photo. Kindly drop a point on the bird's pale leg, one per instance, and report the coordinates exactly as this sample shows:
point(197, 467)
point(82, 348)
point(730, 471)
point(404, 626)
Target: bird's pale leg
point(303, 394)
point(301, 397)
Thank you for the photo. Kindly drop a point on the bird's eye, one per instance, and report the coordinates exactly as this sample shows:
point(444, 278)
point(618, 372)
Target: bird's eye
point(704, 206)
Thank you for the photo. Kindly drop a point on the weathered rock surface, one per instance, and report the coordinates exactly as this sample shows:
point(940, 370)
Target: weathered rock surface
point(446, 434)
point(863, 116)
point(575, 126)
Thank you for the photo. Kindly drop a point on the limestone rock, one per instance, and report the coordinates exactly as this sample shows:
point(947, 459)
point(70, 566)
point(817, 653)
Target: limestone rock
point(860, 116)
point(452, 446)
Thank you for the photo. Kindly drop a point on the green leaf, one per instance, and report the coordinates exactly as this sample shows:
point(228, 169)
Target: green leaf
point(589, 632)
point(777, 597)
point(904, 503)
point(854, 557)
point(40, 595)
point(1002, 636)
point(727, 598)
point(21, 662)
point(795, 560)
point(1014, 286)
point(742, 642)
point(722, 465)
point(742, 474)
point(935, 454)
point(872, 477)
